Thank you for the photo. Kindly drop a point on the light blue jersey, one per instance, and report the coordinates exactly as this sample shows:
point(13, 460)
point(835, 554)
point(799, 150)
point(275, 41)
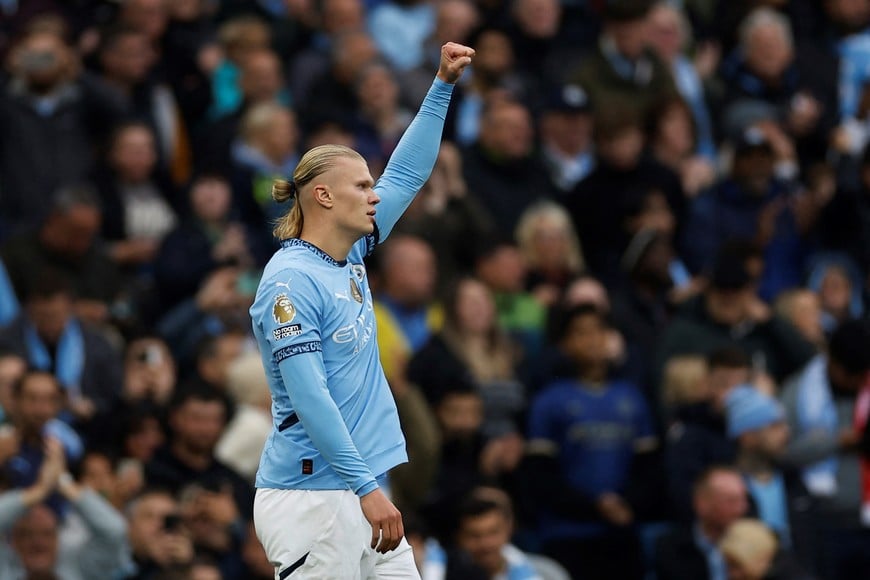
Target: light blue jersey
point(335, 423)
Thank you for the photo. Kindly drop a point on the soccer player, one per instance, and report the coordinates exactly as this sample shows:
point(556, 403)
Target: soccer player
point(320, 510)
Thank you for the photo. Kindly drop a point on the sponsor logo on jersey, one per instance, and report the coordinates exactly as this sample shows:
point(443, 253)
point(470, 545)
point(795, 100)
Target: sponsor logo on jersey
point(283, 332)
point(359, 332)
point(283, 311)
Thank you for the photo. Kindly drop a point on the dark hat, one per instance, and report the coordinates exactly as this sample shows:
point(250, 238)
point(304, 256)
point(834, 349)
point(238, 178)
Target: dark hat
point(752, 139)
point(729, 272)
point(569, 98)
point(626, 10)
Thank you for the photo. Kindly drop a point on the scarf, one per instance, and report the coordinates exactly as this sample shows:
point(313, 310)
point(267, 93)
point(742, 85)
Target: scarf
point(9, 307)
point(862, 413)
point(816, 411)
point(639, 72)
point(69, 360)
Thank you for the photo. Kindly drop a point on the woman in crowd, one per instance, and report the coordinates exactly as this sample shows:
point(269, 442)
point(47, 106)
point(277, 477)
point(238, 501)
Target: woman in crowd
point(472, 344)
point(551, 249)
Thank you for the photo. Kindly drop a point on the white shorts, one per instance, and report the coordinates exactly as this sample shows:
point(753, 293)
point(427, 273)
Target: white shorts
point(323, 535)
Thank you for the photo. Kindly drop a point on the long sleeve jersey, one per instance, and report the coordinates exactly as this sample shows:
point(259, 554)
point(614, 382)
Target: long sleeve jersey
point(335, 424)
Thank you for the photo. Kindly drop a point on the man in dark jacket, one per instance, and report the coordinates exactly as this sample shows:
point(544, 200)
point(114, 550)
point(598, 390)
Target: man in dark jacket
point(52, 117)
point(197, 416)
point(729, 313)
point(642, 308)
point(795, 84)
point(623, 72)
point(51, 338)
point(602, 203)
point(66, 242)
point(697, 439)
point(752, 203)
point(501, 172)
point(719, 499)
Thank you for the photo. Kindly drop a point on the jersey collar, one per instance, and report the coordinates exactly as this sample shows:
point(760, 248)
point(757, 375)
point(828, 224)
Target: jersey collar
point(294, 242)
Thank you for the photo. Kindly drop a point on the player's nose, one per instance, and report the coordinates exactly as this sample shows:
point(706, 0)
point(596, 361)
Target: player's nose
point(374, 198)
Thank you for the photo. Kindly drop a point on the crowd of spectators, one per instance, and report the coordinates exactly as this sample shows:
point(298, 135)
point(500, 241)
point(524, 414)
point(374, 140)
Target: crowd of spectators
point(624, 321)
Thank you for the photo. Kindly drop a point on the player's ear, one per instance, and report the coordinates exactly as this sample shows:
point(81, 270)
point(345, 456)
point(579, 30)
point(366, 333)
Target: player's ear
point(323, 196)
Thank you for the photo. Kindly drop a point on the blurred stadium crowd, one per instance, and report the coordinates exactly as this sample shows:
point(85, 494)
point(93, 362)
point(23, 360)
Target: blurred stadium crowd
point(624, 321)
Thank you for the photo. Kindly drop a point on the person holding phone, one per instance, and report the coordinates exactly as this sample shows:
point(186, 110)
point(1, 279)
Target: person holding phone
point(320, 509)
point(158, 539)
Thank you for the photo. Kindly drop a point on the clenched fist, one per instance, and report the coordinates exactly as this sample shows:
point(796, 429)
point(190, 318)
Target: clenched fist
point(454, 59)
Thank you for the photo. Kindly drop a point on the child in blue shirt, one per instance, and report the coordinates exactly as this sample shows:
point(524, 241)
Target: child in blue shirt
point(592, 444)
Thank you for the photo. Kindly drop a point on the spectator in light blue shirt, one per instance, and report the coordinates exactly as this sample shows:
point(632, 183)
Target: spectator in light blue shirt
point(9, 307)
point(483, 545)
point(669, 33)
point(400, 29)
point(758, 422)
point(850, 43)
point(485, 527)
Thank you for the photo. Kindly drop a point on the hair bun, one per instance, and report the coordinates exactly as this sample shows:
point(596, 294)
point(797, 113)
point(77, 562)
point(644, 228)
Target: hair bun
point(283, 190)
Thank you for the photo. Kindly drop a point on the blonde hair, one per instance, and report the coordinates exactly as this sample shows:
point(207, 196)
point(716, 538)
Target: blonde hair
point(314, 163)
point(759, 18)
point(260, 117)
point(530, 222)
point(245, 32)
point(784, 304)
point(684, 380)
point(750, 543)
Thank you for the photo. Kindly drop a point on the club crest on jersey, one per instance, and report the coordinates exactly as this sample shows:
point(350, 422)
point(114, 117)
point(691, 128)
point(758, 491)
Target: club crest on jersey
point(283, 311)
point(355, 291)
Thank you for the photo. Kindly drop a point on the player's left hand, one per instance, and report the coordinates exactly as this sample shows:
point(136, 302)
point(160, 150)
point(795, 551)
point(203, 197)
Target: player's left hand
point(454, 59)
